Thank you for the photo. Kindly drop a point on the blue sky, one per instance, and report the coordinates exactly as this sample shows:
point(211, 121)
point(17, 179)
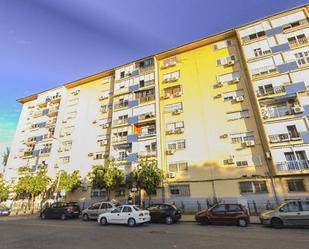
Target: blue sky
point(45, 43)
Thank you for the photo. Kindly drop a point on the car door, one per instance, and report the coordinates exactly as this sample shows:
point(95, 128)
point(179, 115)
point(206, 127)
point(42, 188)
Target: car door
point(93, 210)
point(154, 213)
point(305, 213)
point(114, 216)
point(290, 213)
point(163, 212)
point(233, 211)
point(217, 214)
point(103, 208)
point(49, 211)
point(126, 214)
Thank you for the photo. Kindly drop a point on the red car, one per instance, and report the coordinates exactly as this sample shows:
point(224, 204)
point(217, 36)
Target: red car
point(233, 213)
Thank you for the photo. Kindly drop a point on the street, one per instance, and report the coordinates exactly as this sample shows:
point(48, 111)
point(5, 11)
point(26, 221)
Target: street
point(32, 233)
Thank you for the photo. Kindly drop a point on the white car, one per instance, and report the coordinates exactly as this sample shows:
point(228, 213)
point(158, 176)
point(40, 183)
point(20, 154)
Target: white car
point(126, 214)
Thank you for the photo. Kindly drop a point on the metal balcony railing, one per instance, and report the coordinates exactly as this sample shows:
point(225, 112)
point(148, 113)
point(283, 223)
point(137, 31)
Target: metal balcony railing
point(292, 165)
point(271, 91)
point(263, 70)
point(283, 137)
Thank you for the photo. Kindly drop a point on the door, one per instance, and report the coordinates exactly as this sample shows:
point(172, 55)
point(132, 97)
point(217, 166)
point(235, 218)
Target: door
point(126, 214)
point(291, 213)
point(50, 211)
point(93, 210)
point(154, 213)
point(163, 212)
point(305, 212)
point(114, 216)
point(234, 211)
point(217, 214)
point(302, 159)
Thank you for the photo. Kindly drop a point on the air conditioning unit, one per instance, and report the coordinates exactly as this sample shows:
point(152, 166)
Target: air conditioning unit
point(102, 98)
point(239, 99)
point(230, 160)
point(178, 130)
point(90, 154)
point(224, 136)
point(265, 113)
point(171, 174)
point(297, 109)
point(105, 142)
point(166, 95)
point(168, 132)
point(106, 125)
point(250, 143)
point(170, 152)
point(176, 112)
point(231, 63)
point(219, 84)
point(236, 80)
point(178, 94)
point(60, 150)
point(218, 96)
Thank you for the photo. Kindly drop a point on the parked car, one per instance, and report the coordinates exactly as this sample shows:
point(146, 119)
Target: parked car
point(4, 211)
point(164, 213)
point(98, 208)
point(126, 214)
point(232, 213)
point(61, 210)
point(291, 213)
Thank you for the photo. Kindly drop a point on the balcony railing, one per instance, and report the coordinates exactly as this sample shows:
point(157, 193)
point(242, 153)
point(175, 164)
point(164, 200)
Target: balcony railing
point(276, 112)
point(119, 139)
point(147, 134)
point(296, 24)
point(298, 42)
point(147, 154)
point(147, 99)
point(121, 104)
point(257, 72)
point(292, 165)
point(146, 83)
point(146, 116)
point(120, 121)
point(271, 91)
point(284, 137)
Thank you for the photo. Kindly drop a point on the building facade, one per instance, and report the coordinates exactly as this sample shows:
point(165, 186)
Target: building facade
point(226, 117)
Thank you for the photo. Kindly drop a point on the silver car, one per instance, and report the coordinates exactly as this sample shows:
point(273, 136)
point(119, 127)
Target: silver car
point(92, 212)
point(291, 213)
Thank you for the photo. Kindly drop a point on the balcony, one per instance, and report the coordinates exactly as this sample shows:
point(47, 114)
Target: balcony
point(147, 99)
point(294, 25)
point(261, 71)
point(147, 154)
point(45, 150)
point(120, 122)
point(276, 112)
point(298, 42)
point(52, 112)
point(119, 139)
point(175, 131)
point(270, 91)
point(296, 165)
point(147, 134)
point(51, 123)
point(27, 154)
point(121, 104)
point(283, 137)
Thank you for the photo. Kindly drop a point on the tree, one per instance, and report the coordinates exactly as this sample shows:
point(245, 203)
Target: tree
point(106, 176)
point(32, 184)
point(148, 176)
point(5, 157)
point(68, 182)
point(4, 189)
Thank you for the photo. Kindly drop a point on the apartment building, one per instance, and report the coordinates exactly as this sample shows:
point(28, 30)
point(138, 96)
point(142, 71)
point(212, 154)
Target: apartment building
point(225, 117)
point(276, 54)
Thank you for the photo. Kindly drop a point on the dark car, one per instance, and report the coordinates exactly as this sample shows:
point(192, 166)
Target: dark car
point(4, 211)
point(164, 213)
point(61, 210)
point(226, 214)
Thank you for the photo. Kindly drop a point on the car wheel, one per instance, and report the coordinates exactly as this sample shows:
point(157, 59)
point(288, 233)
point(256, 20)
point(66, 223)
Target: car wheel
point(276, 223)
point(85, 217)
point(131, 222)
point(63, 217)
point(242, 222)
point(43, 216)
point(103, 221)
point(168, 220)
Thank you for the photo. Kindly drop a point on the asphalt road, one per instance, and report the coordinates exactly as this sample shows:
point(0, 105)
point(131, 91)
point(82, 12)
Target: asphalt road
point(75, 234)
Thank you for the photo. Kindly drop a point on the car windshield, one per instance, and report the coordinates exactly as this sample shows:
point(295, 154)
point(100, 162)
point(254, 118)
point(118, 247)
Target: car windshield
point(137, 208)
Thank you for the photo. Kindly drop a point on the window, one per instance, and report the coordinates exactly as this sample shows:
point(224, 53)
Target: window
point(228, 77)
point(117, 210)
point(122, 74)
point(291, 207)
point(302, 57)
point(226, 60)
point(171, 76)
point(305, 205)
point(127, 210)
point(173, 107)
point(177, 145)
point(219, 208)
point(253, 187)
point(241, 163)
point(292, 130)
point(172, 90)
point(180, 190)
point(95, 206)
point(237, 115)
point(254, 36)
point(258, 52)
point(242, 137)
point(65, 159)
point(234, 208)
point(178, 167)
point(232, 95)
point(173, 126)
point(296, 185)
point(222, 44)
point(170, 62)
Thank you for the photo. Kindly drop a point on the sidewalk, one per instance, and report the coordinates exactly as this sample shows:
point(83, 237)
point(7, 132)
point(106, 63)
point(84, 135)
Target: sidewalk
point(19, 217)
point(190, 218)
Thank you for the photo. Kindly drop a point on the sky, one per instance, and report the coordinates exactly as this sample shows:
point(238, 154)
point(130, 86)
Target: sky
point(45, 43)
